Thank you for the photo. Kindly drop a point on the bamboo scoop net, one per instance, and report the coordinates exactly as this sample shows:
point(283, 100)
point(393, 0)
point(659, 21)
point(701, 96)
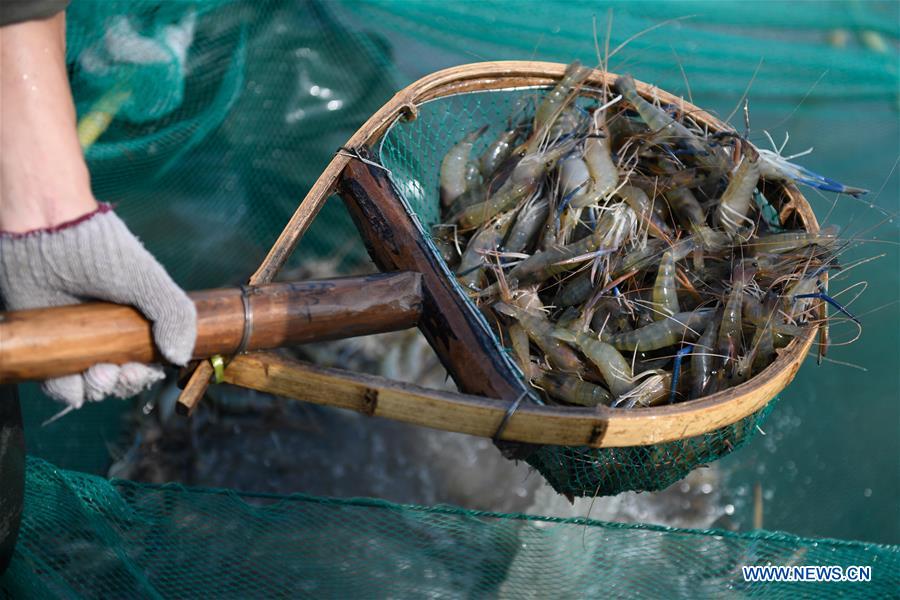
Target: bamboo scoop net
point(641, 449)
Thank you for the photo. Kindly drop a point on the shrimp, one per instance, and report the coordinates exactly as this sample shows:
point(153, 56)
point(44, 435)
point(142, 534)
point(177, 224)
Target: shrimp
point(553, 103)
point(468, 198)
point(761, 351)
point(702, 360)
point(608, 317)
point(528, 222)
point(626, 242)
point(574, 180)
point(668, 332)
point(519, 340)
point(650, 392)
point(572, 390)
point(780, 243)
point(758, 315)
point(540, 331)
point(574, 291)
point(568, 318)
point(578, 289)
point(685, 207)
point(803, 288)
point(728, 341)
point(775, 167)
point(613, 229)
point(665, 297)
point(569, 220)
point(497, 152)
point(473, 176)
point(443, 238)
point(686, 178)
point(454, 168)
point(641, 205)
point(604, 175)
point(688, 211)
point(570, 119)
point(522, 181)
point(665, 126)
point(731, 213)
point(471, 268)
point(612, 365)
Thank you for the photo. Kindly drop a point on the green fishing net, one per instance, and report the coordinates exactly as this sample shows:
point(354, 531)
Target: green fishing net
point(225, 114)
point(84, 536)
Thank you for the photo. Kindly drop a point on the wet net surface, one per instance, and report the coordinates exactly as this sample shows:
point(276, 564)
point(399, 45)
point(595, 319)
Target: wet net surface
point(86, 536)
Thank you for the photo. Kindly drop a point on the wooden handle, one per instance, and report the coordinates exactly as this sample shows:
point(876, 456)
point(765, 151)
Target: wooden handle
point(37, 344)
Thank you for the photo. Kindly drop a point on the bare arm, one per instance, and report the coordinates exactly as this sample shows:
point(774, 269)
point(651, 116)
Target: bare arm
point(44, 180)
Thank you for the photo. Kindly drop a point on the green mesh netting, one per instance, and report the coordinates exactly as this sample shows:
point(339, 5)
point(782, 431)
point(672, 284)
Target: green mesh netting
point(85, 536)
point(585, 471)
point(719, 44)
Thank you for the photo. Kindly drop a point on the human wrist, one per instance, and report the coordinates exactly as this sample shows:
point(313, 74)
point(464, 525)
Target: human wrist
point(44, 212)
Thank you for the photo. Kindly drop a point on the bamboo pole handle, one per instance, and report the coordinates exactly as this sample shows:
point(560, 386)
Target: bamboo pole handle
point(51, 342)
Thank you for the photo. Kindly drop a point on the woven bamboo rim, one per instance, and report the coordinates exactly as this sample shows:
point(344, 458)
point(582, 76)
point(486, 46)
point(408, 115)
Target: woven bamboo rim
point(600, 427)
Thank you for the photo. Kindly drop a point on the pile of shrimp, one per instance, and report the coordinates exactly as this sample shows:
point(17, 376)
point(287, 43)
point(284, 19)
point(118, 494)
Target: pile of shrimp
point(627, 256)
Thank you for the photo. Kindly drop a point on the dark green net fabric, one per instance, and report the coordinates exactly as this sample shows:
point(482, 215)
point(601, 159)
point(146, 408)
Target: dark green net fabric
point(84, 536)
point(584, 471)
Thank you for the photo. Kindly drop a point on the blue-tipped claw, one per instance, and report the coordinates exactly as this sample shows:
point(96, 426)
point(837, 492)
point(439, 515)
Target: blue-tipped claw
point(837, 305)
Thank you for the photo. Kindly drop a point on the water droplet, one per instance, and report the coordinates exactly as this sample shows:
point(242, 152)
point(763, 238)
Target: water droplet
point(729, 509)
point(867, 492)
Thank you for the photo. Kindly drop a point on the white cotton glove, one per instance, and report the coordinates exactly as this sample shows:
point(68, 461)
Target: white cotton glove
point(97, 257)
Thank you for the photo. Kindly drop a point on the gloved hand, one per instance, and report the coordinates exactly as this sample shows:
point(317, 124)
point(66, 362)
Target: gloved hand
point(97, 257)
